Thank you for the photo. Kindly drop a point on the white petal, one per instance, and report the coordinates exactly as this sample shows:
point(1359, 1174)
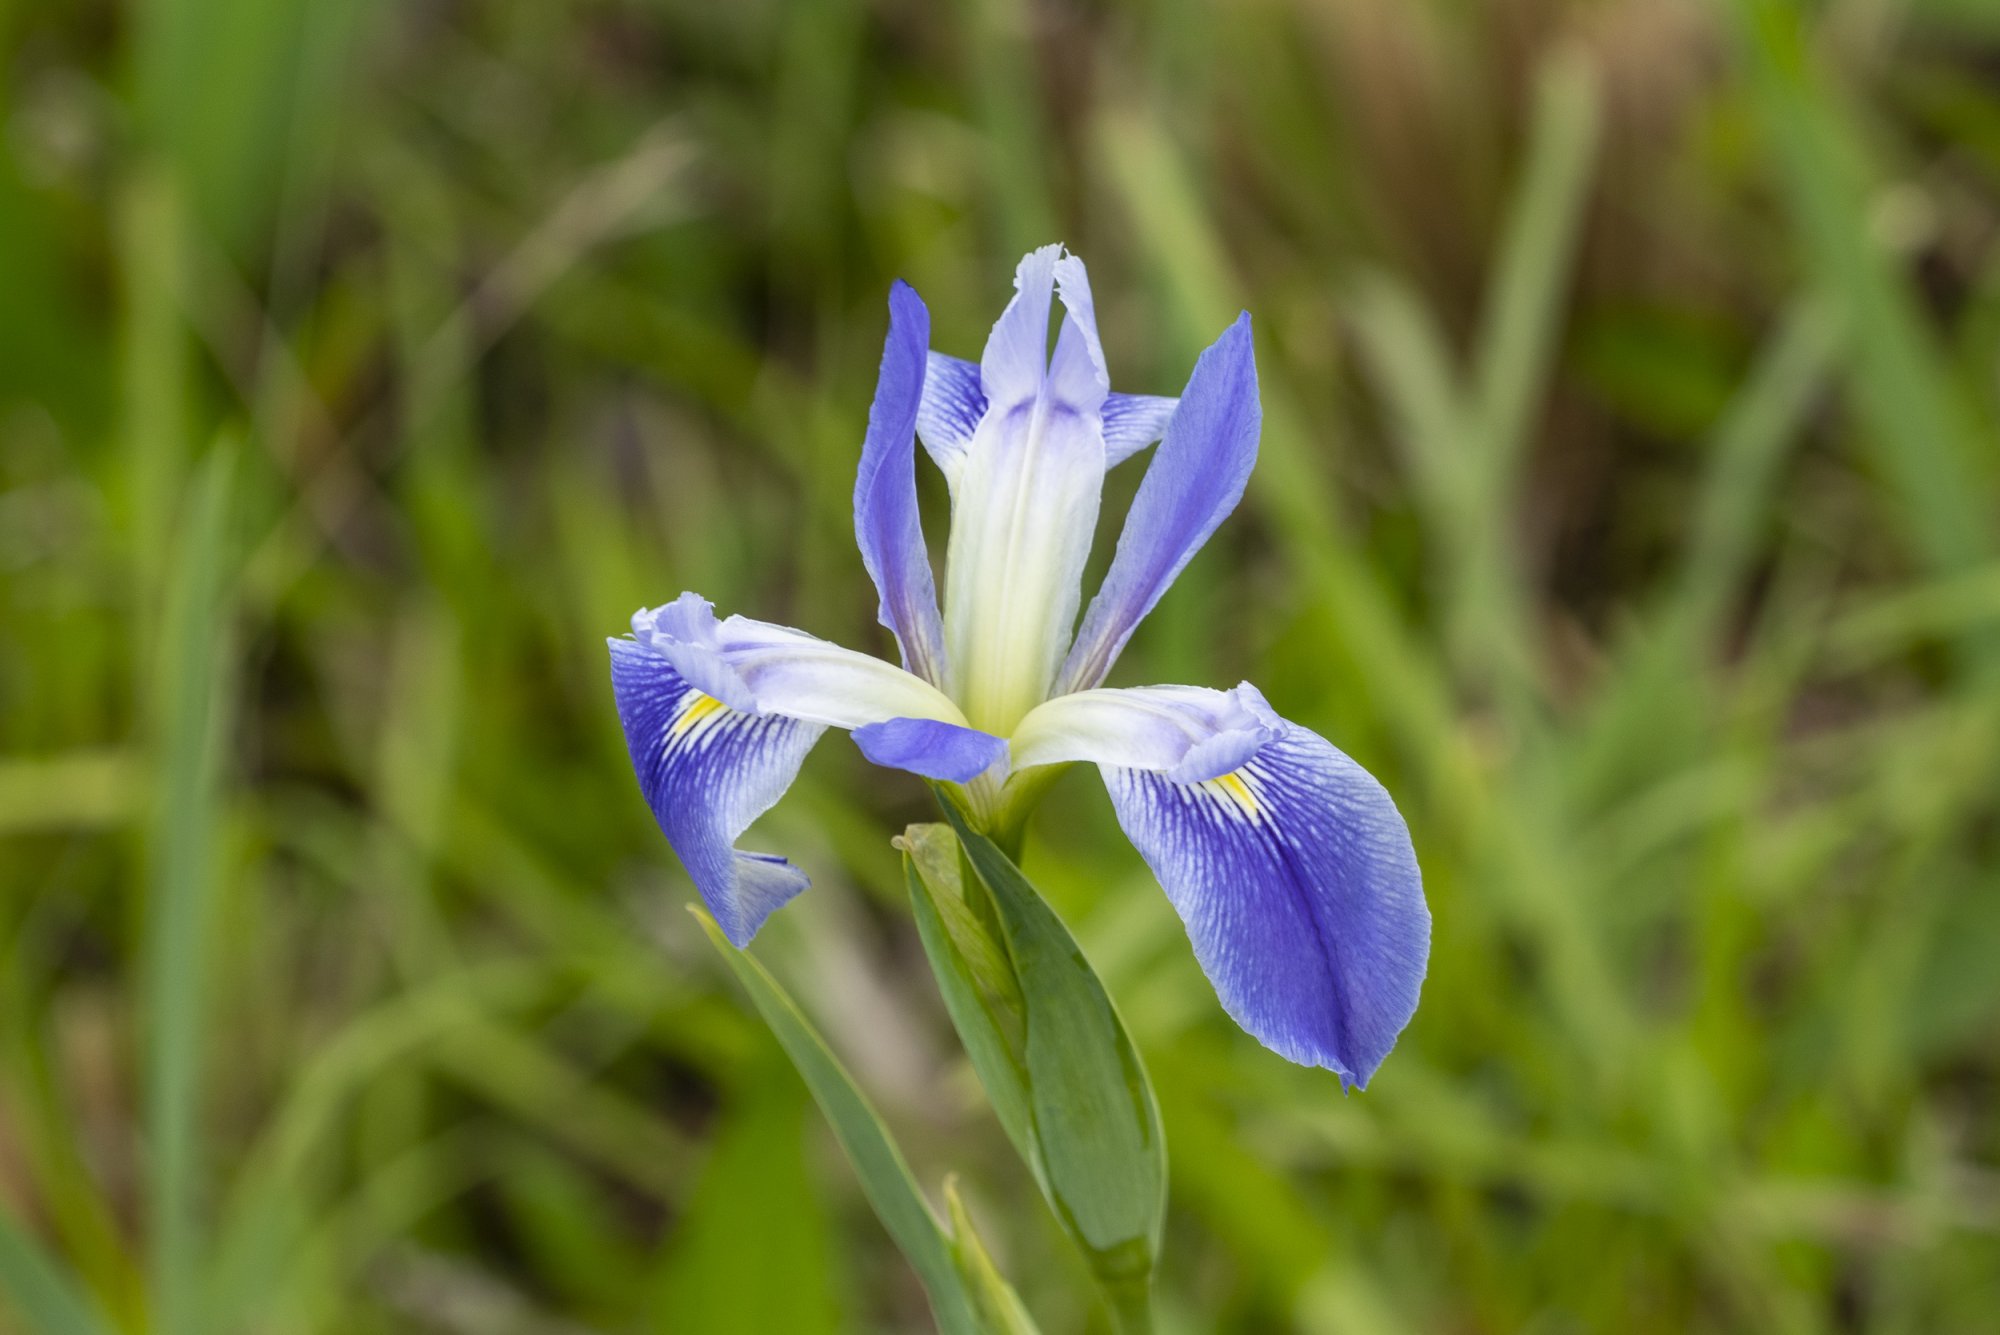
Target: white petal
point(1189, 733)
point(758, 668)
point(1023, 517)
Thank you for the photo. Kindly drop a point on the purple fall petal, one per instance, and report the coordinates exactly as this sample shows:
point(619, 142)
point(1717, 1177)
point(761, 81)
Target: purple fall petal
point(1300, 891)
point(707, 771)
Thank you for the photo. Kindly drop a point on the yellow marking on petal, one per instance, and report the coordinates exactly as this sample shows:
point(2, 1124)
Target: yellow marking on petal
point(1236, 790)
point(696, 710)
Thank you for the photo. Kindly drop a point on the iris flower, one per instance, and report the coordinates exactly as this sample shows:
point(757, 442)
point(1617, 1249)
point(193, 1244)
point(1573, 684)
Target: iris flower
point(1289, 864)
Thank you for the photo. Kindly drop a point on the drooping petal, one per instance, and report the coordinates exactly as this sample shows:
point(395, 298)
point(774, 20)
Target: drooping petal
point(1016, 360)
point(686, 634)
point(1132, 422)
point(708, 771)
point(755, 667)
point(1292, 869)
point(1195, 480)
point(930, 748)
point(719, 715)
point(886, 523)
point(950, 411)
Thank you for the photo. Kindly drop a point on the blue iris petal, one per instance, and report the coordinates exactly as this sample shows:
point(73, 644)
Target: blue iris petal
point(708, 771)
point(1195, 480)
point(930, 748)
point(1015, 363)
point(1132, 422)
point(686, 634)
point(1296, 879)
point(1077, 374)
point(886, 523)
point(953, 403)
point(951, 408)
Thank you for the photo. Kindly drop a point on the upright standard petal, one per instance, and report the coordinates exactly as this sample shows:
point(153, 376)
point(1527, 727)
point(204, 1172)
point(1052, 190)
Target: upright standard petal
point(955, 399)
point(707, 771)
point(949, 412)
point(1195, 480)
point(1025, 506)
point(1077, 374)
point(1016, 360)
point(886, 522)
point(1289, 864)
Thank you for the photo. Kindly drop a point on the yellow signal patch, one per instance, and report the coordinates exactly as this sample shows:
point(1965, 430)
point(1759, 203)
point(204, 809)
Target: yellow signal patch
point(696, 710)
point(1236, 790)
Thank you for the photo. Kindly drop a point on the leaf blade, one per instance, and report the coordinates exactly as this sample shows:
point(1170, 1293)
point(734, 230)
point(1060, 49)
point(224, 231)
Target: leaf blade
point(884, 1174)
point(39, 1289)
point(1097, 1122)
point(930, 855)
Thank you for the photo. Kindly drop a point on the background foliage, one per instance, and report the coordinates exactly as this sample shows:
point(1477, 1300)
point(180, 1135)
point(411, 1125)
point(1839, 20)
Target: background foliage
point(1628, 503)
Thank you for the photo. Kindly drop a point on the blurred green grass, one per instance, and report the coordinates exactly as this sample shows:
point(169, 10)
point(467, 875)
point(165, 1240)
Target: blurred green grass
point(1628, 503)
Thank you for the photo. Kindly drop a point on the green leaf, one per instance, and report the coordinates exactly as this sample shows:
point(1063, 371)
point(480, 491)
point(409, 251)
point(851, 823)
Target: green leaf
point(38, 1289)
point(1930, 440)
point(932, 853)
point(999, 1306)
point(884, 1174)
point(1095, 1124)
point(180, 886)
point(976, 976)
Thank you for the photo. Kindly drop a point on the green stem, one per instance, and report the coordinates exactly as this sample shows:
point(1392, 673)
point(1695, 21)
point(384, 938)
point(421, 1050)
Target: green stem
point(1006, 822)
point(1131, 1307)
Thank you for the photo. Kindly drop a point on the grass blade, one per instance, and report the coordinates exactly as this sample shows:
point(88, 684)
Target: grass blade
point(884, 1174)
point(1516, 350)
point(1517, 337)
point(1929, 441)
point(39, 1290)
point(1746, 452)
point(179, 885)
point(999, 1306)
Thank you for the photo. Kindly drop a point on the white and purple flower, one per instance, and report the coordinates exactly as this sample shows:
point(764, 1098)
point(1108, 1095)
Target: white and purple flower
point(1288, 863)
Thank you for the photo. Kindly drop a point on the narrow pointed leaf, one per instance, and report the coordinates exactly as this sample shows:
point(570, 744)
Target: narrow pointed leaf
point(39, 1290)
point(976, 977)
point(1000, 1307)
point(885, 1175)
point(1096, 1123)
point(190, 716)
